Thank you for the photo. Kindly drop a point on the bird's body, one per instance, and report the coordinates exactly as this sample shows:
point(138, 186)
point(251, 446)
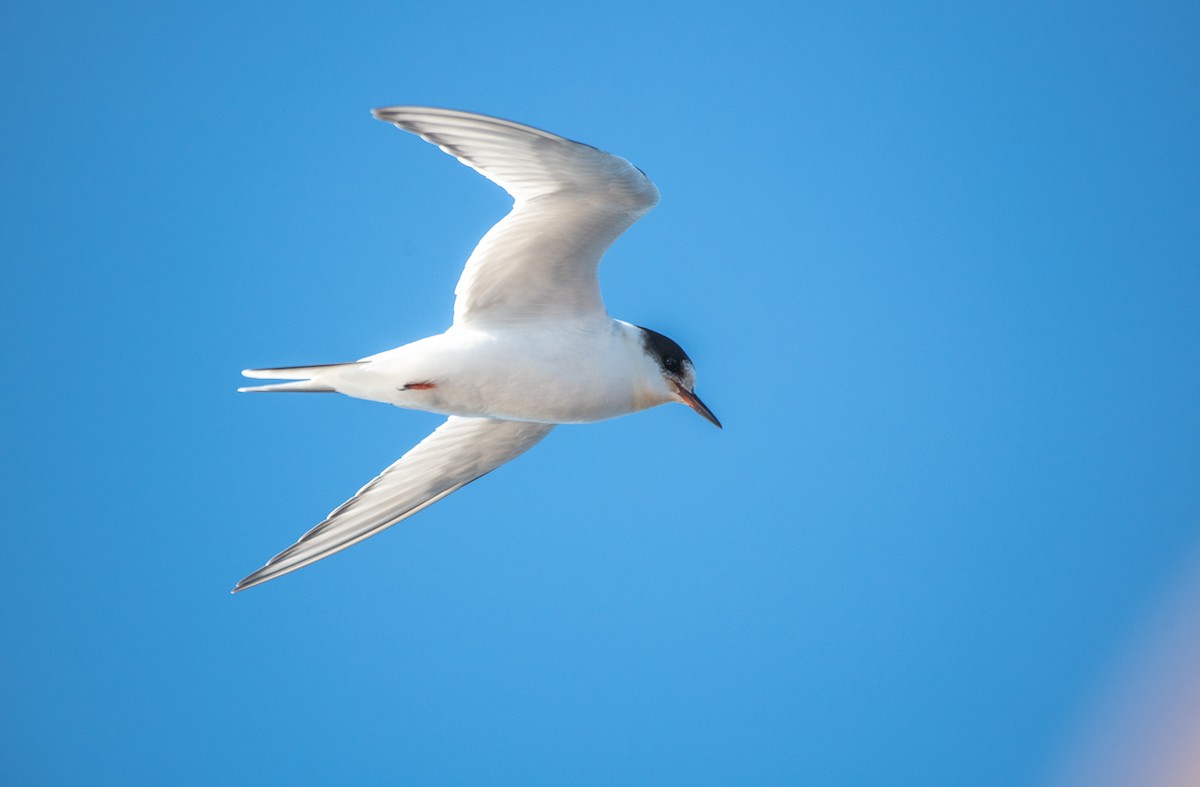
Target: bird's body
point(531, 345)
point(560, 372)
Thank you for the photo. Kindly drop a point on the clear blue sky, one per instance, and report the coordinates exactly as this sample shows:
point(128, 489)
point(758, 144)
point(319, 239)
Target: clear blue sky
point(938, 265)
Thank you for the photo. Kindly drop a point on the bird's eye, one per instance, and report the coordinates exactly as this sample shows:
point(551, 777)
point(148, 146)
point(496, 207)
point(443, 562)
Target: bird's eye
point(671, 363)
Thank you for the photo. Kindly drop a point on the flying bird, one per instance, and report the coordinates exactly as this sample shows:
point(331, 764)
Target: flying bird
point(531, 345)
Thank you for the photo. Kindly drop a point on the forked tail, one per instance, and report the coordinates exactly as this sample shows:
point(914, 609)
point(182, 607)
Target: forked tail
point(311, 384)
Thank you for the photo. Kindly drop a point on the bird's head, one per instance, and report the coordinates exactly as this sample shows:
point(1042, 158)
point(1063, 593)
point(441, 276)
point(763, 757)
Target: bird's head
point(678, 373)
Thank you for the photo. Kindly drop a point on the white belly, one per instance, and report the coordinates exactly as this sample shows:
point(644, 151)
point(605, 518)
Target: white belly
point(566, 374)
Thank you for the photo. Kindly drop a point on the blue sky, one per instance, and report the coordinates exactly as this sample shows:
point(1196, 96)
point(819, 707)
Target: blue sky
point(937, 266)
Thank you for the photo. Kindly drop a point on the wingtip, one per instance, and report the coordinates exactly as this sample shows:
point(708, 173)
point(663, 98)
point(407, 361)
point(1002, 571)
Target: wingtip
point(400, 113)
point(244, 584)
point(387, 114)
point(262, 575)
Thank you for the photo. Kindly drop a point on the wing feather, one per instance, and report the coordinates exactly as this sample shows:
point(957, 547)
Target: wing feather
point(458, 452)
point(571, 202)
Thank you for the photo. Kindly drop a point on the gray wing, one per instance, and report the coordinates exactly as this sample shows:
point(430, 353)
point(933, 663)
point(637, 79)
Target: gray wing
point(458, 452)
point(571, 203)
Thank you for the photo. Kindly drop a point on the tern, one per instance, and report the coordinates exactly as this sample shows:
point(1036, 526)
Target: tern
point(531, 344)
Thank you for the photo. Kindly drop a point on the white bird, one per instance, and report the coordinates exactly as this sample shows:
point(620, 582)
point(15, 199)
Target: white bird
point(531, 345)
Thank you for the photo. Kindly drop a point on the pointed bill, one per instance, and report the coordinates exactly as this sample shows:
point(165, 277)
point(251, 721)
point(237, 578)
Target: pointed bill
point(691, 400)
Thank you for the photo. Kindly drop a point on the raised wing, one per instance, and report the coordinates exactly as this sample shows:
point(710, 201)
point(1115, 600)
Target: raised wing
point(571, 203)
point(458, 452)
